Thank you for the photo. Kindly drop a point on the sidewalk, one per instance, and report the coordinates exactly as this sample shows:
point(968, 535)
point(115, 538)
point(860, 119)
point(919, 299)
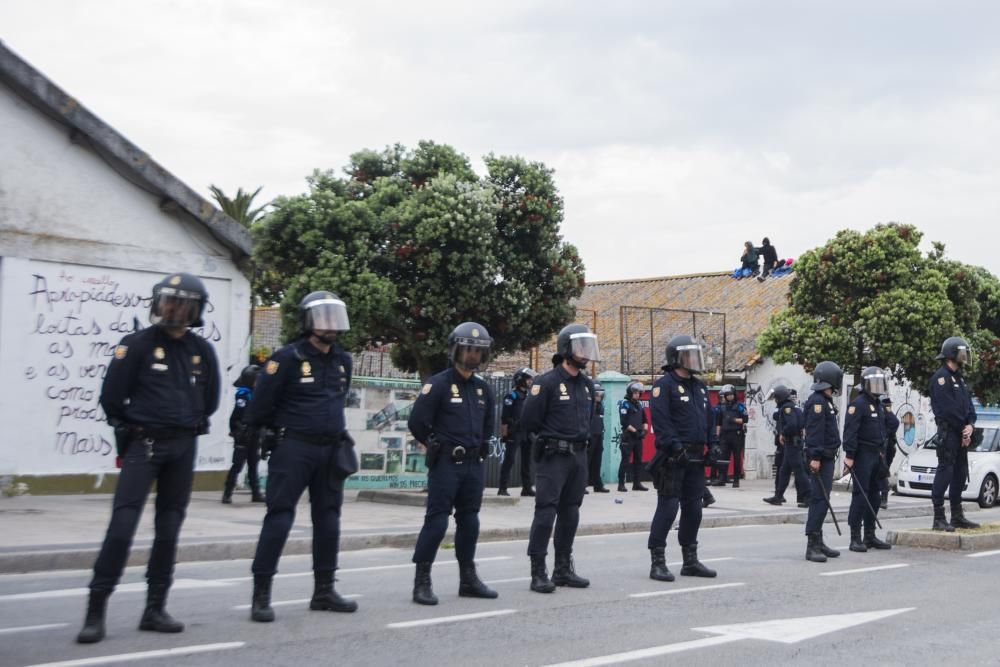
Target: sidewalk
point(64, 532)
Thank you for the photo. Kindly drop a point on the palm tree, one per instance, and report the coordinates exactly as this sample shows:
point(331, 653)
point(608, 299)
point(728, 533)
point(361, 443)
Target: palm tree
point(238, 208)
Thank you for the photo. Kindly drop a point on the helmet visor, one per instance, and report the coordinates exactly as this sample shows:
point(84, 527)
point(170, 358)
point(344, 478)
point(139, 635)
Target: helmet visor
point(963, 355)
point(876, 384)
point(583, 346)
point(470, 353)
point(174, 307)
point(689, 357)
point(327, 315)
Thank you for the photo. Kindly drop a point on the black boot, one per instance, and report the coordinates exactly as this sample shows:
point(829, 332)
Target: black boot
point(658, 566)
point(826, 551)
point(600, 488)
point(227, 489)
point(856, 543)
point(260, 604)
point(774, 500)
point(884, 500)
point(326, 598)
point(526, 490)
point(540, 582)
point(155, 617)
point(256, 496)
point(93, 623)
point(736, 482)
point(692, 567)
point(639, 487)
point(707, 499)
point(470, 585)
point(564, 574)
point(940, 522)
point(422, 591)
point(502, 491)
point(227, 497)
point(621, 487)
point(958, 519)
point(812, 549)
point(873, 542)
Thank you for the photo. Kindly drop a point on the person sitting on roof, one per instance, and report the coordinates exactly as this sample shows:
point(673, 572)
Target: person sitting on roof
point(770, 258)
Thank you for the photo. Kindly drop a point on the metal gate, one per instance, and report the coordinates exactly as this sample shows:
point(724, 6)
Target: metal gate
point(645, 332)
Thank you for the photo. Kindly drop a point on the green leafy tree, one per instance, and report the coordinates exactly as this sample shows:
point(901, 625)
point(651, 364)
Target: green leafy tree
point(239, 208)
point(873, 299)
point(416, 242)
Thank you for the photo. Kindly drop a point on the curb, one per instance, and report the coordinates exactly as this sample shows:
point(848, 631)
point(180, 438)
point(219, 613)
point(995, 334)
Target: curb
point(419, 498)
point(956, 541)
point(83, 558)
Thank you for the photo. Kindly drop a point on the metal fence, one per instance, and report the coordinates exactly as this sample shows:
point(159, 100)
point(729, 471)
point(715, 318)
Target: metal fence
point(644, 333)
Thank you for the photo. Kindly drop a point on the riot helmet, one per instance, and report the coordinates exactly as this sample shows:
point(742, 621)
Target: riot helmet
point(727, 391)
point(323, 311)
point(178, 301)
point(466, 338)
point(684, 352)
point(598, 392)
point(956, 349)
point(828, 375)
point(524, 377)
point(780, 393)
point(633, 390)
point(874, 381)
point(578, 345)
point(247, 378)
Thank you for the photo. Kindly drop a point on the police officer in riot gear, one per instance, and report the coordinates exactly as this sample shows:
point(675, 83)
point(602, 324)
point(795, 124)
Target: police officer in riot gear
point(453, 417)
point(557, 415)
point(891, 426)
point(159, 391)
point(634, 425)
point(299, 398)
point(514, 437)
point(684, 424)
point(246, 449)
point(864, 439)
point(789, 421)
point(822, 440)
point(595, 452)
point(732, 425)
point(951, 402)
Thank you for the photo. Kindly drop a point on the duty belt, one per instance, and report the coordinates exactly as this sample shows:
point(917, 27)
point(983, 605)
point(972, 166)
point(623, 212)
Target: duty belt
point(459, 453)
point(554, 446)
point(321, 440)
point(167, 433)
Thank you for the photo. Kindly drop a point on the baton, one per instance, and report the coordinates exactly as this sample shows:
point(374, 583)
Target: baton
point(826, 497)
point(864, 495)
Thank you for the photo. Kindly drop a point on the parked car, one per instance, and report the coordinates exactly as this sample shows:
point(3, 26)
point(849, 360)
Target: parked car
point(916, 474)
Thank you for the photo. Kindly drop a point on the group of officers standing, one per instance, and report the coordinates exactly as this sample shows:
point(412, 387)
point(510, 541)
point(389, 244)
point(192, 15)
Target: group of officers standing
point(162, 386)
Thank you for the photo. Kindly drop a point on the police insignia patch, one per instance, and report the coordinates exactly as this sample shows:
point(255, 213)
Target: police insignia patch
point(196, 359)
point(159, 353)
point(656, 392)
point(562, 388)
point(426, 389)
point(475, 333)
point(535, 388)
point(175, 280)
point(479, 391)
point(788, 411)
point(817, 408)
point(454, 390)
point(941, 381)
point(851, 410)
point(271, 368)
point(306, 368)
point(680, 389)
point(121, 351)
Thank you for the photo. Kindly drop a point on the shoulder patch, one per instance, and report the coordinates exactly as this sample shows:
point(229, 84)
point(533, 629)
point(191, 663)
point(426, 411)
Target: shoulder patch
point(941, 381)
point(656, 392)
point(535, 389)
point(508, 401)
point(817, 408)
point(426, 389)
point(121, 351)
point(624, 411)
point(788, 411)
point(851, 410)
point(271, 368)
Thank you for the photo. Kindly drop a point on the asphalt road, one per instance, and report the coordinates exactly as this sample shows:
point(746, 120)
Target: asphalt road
point(922, 607)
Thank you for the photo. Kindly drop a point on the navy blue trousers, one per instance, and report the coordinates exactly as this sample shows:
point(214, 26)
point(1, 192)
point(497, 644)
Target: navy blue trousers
point(457, 486)
point(952, 468)
point(866, 486)
point(817, 503)
point(687, 491)
point(169, 463)
point(517, 444)
point(295, 466)
point(560, 480)
point(791, 463)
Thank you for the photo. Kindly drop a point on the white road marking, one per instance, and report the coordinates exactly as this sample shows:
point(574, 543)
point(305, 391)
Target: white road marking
point(289, 603)
point(837, 573)
point(692, 589)
point(32, 628)
point(703, 560)
point(983, 554)
point(137, 587)
point(373, 568)
point(785, 631)
point(507, 581)
point(450, 619)
point(143, 655)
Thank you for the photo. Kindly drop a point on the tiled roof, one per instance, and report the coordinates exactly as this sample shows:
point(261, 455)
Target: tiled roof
point(748, 306)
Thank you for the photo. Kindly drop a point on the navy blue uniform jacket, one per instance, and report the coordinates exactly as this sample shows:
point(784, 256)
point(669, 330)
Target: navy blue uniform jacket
point(456, 410)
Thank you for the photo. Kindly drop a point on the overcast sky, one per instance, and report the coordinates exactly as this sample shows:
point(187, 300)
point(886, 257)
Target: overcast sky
point(677, 130)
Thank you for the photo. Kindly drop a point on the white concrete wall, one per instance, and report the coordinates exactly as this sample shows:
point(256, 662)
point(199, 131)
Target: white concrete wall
point(80, 249)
